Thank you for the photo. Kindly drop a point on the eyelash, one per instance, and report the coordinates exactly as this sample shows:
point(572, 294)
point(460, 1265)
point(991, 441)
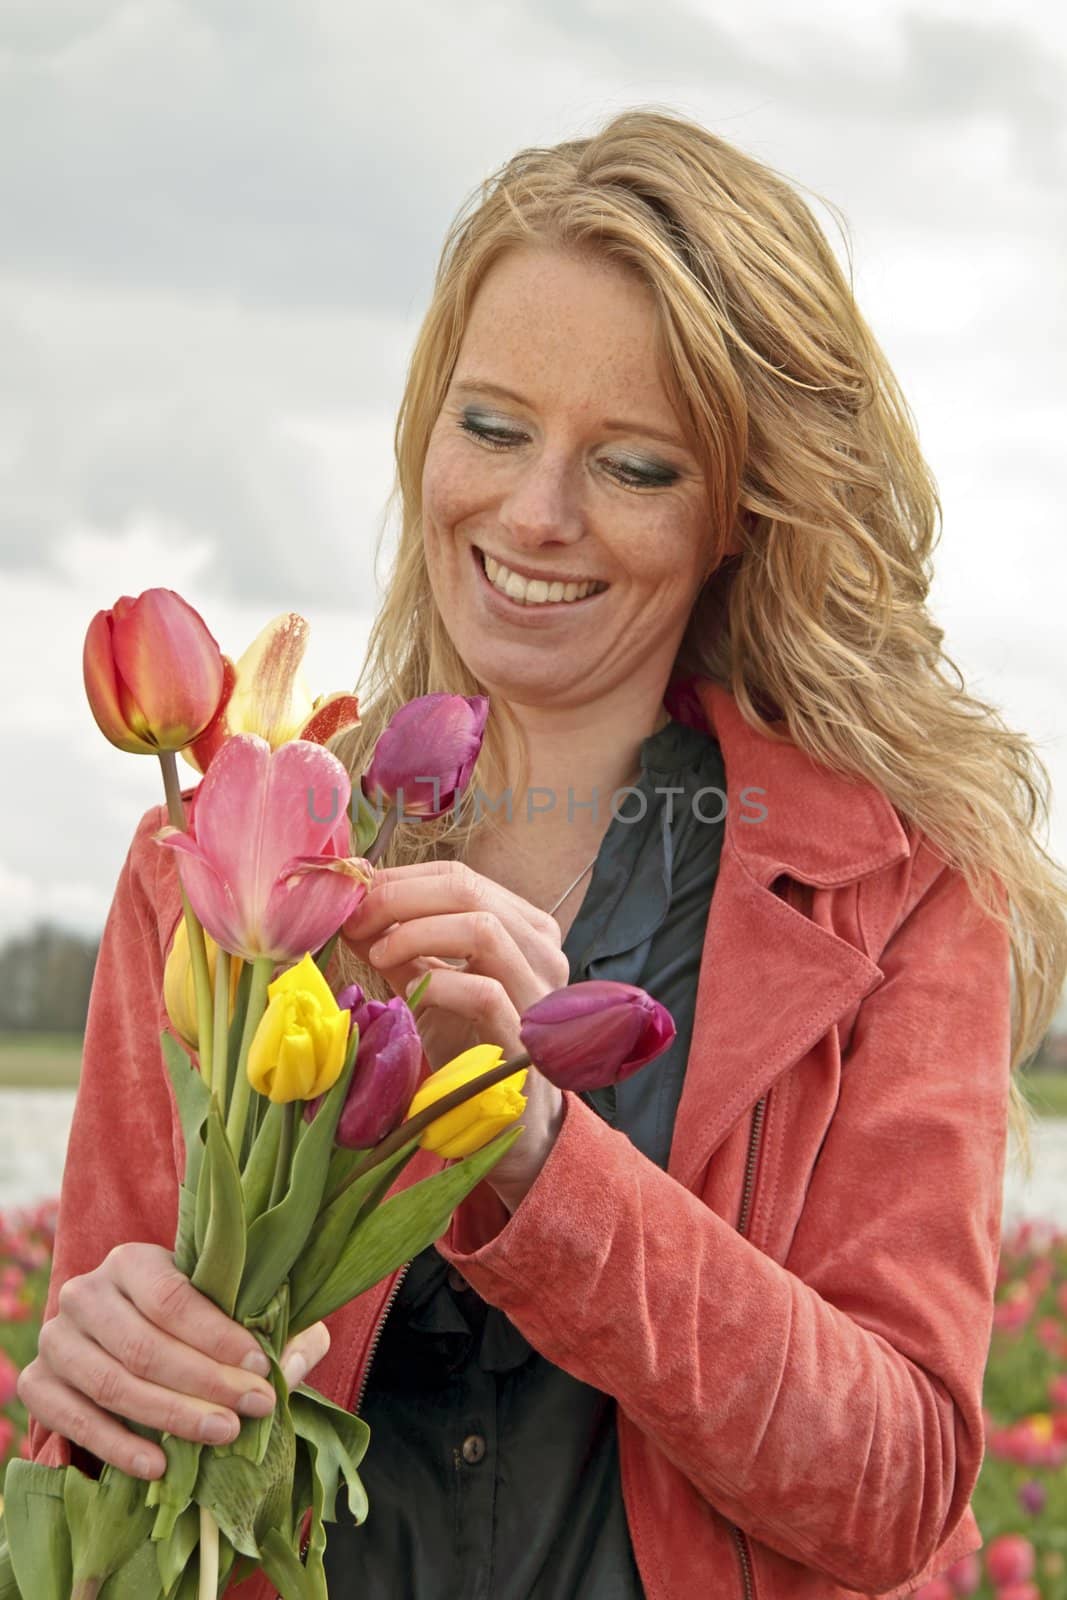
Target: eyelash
point(503, 439)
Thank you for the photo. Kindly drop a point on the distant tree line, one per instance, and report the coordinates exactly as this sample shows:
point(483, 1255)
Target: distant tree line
point(45, 979)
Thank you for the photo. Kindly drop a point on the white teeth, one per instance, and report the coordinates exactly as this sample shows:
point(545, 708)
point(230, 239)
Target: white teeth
point(533, 591)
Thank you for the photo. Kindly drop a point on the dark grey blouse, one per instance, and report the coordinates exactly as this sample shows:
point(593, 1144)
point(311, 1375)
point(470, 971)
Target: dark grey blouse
point(492, 1474)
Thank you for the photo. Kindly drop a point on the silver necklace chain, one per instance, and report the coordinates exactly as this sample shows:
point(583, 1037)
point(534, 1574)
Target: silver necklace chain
point(574, 885)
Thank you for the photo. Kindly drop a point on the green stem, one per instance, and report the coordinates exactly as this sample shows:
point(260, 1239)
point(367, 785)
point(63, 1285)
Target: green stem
point(197, 946)
point(322, 960)
point(414, 1125)
point(209, 1556)
point(262, 968)
point(222, 1020)
point(285, 1152)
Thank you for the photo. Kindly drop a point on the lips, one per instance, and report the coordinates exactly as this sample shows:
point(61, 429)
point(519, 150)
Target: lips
point(536, 605)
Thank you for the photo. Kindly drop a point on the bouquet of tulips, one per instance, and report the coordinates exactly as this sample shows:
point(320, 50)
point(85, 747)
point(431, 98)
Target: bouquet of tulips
point(299, 1109)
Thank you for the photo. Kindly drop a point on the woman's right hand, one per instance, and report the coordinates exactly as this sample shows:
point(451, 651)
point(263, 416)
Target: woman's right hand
point(134, 1339)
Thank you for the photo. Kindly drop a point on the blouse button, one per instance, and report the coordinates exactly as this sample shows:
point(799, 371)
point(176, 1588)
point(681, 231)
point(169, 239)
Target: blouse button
point(473, 1448)
point(456, 1280)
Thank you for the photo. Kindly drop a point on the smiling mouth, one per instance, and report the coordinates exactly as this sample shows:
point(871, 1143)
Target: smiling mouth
point(535, 592)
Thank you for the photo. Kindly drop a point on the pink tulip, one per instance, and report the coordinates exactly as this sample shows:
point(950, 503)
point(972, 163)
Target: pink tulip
point(7, 1437)
point(1019, 1591)
point(965, 1575)
point(1057, 1390)
point(154, 675)
point(1009, 1559)
point(436, 737)
point(264, 860)
point(591, 1034)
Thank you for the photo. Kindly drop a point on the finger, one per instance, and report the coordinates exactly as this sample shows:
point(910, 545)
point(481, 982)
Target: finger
point(64, 1411)
point(304, 1352)
point(400, 893)
point(481, 1001)
point(148, 1277)
point(476, 935)
point(93, 1371)
point(155, 1355)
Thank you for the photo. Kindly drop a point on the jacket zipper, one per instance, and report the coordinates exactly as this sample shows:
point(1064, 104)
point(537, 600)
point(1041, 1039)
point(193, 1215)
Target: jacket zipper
point(375, 1341)
point(740, 1541)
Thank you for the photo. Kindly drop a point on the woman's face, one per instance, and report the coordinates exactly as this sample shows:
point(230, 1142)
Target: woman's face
point(557, 454)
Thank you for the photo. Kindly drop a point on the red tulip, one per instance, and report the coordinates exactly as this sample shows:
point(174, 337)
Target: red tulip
point(265, 868)
point(154, 675)
point(436, 737)
point(1010, 1559)
point(594, 1033)
point(1032, 1497)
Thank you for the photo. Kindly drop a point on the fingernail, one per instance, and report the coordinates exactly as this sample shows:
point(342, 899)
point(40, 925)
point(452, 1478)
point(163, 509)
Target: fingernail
point(294, 1370)
point(255, 1361)
point(256, 1404)
point(216, 1429)
point(377, 951)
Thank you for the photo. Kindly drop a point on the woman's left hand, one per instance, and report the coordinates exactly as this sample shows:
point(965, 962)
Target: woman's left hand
point(412, 918)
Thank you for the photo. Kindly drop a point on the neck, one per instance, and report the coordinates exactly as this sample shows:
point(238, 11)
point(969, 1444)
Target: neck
point(575, 755)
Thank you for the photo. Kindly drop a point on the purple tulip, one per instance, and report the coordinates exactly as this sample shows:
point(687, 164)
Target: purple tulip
point(1032, 1497)
point(591, 1034)
point(388, 1068)
point(437, 736)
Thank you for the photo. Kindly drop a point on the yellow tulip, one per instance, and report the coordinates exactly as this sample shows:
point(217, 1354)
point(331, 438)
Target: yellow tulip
point(298, 1049)
point(179, 990)
point(469, 1126)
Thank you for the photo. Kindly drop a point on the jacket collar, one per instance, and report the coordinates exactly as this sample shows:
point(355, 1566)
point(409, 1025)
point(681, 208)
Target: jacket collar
point(772, 981)
point(788, 813)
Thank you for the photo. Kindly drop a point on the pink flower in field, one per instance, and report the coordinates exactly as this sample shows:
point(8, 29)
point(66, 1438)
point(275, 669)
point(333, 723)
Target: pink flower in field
point(13, 1309)
point(1013, 1311)
point(1040, 1275)
point(265, 859)
point(1009, 1559)
point(7, 1435)
point(965, 1575)
point(8, 1378)
point(12, 1277)
point(1051, 1333)
point(1061, 1298)
point(936, 1589)
point(1019, 1591)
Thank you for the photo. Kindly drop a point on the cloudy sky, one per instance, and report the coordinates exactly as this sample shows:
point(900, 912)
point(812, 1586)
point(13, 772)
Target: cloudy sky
point(221, 220)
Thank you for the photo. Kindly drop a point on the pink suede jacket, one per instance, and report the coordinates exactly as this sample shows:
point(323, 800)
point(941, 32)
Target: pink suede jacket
point(795, 1316)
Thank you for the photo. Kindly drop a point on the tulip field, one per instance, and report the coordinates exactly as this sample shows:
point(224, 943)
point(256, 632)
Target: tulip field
point(1021, 1497)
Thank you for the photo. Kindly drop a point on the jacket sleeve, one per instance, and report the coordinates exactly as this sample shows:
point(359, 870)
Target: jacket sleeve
point(120, 1181)
point(830, 1406)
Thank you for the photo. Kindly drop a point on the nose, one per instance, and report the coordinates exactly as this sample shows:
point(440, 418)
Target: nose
point(543, 503)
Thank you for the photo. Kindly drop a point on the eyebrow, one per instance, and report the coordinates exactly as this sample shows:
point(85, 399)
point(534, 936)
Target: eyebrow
point(480, 385)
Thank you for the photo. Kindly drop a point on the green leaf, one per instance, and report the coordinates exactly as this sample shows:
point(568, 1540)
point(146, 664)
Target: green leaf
point(108, 1521)
point(173, 1492)
point(246, 1499)
point(282, 1566)
point(338, 1441)
point(419, 990)
point(277, 1238)
point(185, 1238)
point(337, 1222)
point(398, 1229)
point(35, 1521)
point(258, 1176)
point(173, 1553)
point(222, 1259)
point(137, 1578)
point(9, 1589)
point(193, 1099)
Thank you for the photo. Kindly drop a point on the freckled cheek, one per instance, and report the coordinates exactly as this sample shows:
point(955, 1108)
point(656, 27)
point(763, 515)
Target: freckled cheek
point(451, 493)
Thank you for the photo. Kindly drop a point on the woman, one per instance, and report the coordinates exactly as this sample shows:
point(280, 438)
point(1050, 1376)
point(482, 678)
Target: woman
point(725, 1333)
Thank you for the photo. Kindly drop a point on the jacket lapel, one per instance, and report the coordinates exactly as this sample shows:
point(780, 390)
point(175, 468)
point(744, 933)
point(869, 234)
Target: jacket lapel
point(771, 981)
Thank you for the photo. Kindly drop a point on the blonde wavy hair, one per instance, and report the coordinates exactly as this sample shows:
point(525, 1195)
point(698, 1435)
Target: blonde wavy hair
point(817, 619)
